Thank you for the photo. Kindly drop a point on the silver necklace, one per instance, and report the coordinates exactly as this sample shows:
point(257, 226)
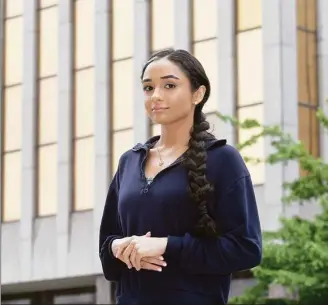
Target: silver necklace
point(161, 162)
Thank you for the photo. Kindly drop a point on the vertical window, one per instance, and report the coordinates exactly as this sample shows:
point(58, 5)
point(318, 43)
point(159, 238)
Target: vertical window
point(307, 74)
point(12, 110)
point(84, 99)
point(204, 44)
point(47, 108)
point(12, 153)
point(122, 142)
point(13, 8)
point(123, 94)
point(250, 89)
point(205, 15)
point(84, 33)
point(122, 28)
point(162, 24)
point(13, 50)
point(122, 79)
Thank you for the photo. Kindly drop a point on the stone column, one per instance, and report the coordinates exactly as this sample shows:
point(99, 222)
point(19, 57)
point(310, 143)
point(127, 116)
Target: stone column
point(65, 133)
point(29, 133)
point(141, 45)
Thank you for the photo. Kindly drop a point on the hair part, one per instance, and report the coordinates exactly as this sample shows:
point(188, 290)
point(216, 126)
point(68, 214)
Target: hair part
point(198, 185)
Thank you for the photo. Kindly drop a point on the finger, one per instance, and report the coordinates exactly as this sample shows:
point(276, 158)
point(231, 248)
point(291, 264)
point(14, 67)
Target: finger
point(148, 234)
point(148, 266)
point(138, 259)
point(124, 243)
point(126, 255)
point(133, 258)
point(154, 261)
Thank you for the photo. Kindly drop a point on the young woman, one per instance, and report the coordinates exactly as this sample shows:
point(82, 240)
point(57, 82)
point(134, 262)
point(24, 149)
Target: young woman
point(180, 215)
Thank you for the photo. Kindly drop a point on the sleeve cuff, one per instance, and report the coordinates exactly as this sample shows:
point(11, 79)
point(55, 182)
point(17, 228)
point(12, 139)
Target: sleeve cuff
point(107, 246)
point(173, 248)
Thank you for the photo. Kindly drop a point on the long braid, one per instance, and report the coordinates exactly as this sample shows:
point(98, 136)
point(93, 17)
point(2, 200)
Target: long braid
point(199, 186)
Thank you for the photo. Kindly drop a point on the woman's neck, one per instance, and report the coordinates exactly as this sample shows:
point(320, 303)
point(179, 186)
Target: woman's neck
point(176, 134)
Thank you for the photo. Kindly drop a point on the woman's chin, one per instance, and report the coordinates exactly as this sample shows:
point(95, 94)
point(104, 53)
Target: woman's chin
point(161, 120)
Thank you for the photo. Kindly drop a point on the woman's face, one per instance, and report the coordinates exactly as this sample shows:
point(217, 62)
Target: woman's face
point(167, 91)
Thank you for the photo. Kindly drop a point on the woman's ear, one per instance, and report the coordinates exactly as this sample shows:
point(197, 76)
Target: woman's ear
point(199, 95)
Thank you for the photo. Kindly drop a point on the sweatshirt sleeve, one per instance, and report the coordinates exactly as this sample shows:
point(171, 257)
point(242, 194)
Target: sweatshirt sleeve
point(110, 230)
point(239, 245)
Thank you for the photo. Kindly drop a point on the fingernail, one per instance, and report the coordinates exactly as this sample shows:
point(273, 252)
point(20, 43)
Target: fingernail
point(164, 264)
point(159, 269)
point(161, 258)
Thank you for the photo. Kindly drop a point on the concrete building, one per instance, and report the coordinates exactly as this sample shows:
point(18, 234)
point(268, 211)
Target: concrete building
point(71, 103)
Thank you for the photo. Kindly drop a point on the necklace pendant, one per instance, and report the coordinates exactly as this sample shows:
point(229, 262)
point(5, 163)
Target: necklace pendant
point(161, 163)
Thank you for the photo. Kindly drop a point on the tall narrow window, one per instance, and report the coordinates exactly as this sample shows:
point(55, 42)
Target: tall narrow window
point(250, 78)
point(47, 108)
point(84, 95)
point(12, 110)
point(205, 44)
point(162, 24)
point(307, 74)
point(122, 79)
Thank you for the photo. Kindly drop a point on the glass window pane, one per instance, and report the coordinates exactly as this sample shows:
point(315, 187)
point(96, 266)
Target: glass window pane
point(47, 180)
point(307, 68)
point(315, 133)
point(46, 3)
point(307, 14)
point(257, 149)
point(13, 118)
point(84, 33)
point(123, 94)
point(304, 126)
point(250, 67)
point(249, 14)
point(13, 51)
point(13, 7)
point(122, 28)
point(48, 41)
point(17, 301)
point(78, 298)
point(155, 129)
point(205, 15)
point(122, 142)
point(162, 24)
point(84, 174)
point(84, 102)
point(12, 186)
point(48, 101)
point(309, 129)
point(206, 53)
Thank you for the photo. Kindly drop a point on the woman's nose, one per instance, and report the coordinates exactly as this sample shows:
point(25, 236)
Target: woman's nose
point(156, 95)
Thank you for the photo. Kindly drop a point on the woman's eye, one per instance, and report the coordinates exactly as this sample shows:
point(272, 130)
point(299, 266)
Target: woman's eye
point(147, 88)
point(170, 86)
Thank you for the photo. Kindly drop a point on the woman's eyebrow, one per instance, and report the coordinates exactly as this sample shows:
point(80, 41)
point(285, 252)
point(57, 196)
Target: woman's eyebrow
point(162, 77)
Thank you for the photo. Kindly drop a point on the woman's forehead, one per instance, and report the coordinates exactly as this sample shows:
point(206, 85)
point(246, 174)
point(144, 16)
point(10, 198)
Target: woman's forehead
point(162, 67)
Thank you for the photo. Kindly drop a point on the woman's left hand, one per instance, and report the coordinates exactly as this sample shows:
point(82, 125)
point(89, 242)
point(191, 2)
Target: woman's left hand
point(146, 247)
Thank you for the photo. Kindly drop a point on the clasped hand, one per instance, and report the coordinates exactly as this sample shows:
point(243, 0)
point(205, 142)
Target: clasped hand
point(141, 252)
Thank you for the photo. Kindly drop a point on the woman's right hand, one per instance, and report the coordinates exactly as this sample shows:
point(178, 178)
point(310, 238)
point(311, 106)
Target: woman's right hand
point(123, 246)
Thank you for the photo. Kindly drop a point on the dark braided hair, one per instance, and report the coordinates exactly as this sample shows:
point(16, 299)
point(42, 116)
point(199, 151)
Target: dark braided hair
point(199, 186)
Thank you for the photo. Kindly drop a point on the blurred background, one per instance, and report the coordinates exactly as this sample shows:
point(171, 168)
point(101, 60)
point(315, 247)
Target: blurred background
point(71, 104)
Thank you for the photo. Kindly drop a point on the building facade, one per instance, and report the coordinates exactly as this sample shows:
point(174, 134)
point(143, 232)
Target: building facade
point(71, 104)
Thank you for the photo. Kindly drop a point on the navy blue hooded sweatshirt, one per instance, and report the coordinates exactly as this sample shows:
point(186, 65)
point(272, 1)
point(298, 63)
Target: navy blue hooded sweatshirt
point(199, 269)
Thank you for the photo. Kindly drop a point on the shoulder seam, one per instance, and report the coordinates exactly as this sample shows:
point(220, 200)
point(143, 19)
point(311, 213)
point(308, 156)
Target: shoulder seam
point(236, 181)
